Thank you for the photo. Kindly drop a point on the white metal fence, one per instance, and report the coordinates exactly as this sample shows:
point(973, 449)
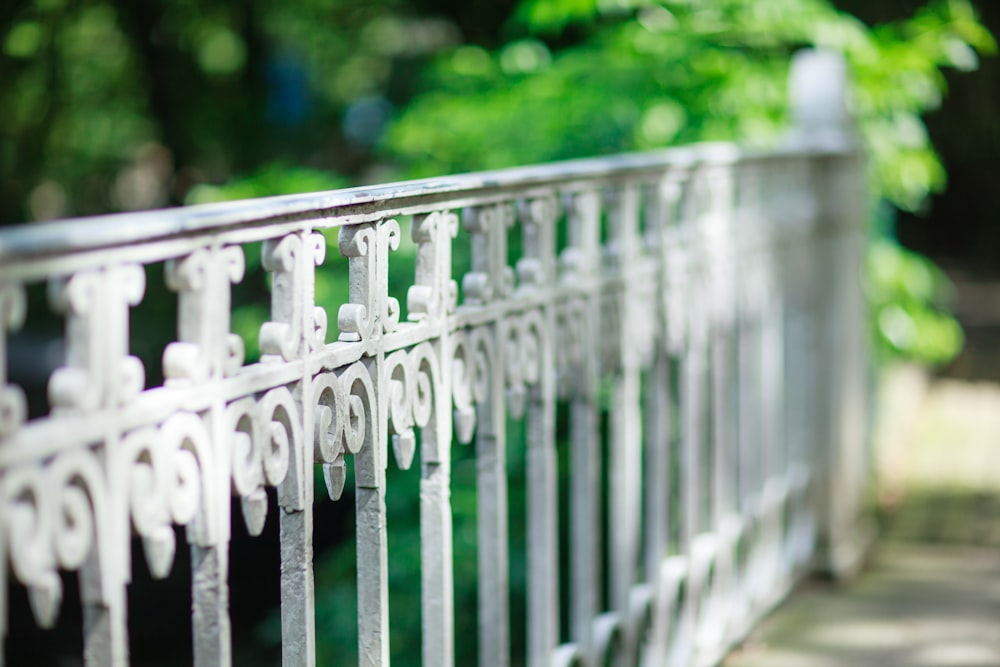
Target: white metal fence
point(708, 299)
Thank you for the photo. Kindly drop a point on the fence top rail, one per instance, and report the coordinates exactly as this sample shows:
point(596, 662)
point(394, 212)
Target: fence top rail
point(335, 208)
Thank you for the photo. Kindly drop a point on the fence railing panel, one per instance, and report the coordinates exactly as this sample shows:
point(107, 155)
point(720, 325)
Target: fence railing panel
point(700, 319)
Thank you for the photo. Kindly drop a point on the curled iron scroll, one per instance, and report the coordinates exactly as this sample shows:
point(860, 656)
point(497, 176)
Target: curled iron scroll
point(470, 359)
point(344, 412)
point(58, 517)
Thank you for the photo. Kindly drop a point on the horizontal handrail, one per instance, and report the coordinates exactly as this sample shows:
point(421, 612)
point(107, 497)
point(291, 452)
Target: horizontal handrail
point(24, 243)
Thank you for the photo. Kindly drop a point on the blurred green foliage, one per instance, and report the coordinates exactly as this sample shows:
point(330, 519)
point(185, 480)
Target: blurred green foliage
point(644, 73)
point(88, 86)
point(910, 297)
point(590, 77)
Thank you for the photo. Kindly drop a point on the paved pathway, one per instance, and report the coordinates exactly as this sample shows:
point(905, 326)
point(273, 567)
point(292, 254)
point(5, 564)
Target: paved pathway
point(918, 604)
point(931, 595)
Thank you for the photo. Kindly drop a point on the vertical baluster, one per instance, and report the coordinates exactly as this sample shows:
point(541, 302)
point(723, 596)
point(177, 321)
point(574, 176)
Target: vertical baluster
point(657, 404)
point(797, 432)
point(673, 571)
point(719, 230)
point(209, 541)
point(100, 375)
point(491, 489)
point(105, 625)
point(810, 378)
point(536, 271)
point(746, 232)
point(209, 599)
point(105, 606)
point(692, 369)
point(792, 277)
point(585, 560)
point(582, 263)
point(371, 314)
point(491, 279)
point(768, 361)
point(720, 253)
point(721, 426)
point(819, 395)
point(754, 453)
point(436, 560)
point(296, 328)
point(430, 300)
point(683, 321)
point(104, 600)
point(210, 605)
point(105, 629)
point(726, 525)
point(819, 386)
point(656, 467)
point(657, 490)
point(701, 546)
point(773, 478)
point(207, 352)
point(543, 533)
point(657, 424)
point(625, 446)
point(758, 453)
point(298, 644)
point(766, 480)
point(372, 555)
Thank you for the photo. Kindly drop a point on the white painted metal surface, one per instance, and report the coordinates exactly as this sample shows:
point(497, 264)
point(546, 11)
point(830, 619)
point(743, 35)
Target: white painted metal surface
point(707, 299)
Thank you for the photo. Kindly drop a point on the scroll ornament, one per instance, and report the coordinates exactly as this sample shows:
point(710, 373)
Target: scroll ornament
point(344, 409)
point(170, 472)
point(525, 340)
point(99, 372)
point(412, 379)
point(265, 436)
point(434, 294)
point(372, 312)
point(491, 278)
point(58, 518)
point(206, 348)
point(297, 326)
point(472, 358)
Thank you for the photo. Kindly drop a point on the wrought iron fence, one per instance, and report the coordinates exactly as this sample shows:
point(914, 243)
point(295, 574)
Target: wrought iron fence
point(707, 299)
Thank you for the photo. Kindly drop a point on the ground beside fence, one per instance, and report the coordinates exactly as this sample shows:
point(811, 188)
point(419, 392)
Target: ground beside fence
point(931, 593)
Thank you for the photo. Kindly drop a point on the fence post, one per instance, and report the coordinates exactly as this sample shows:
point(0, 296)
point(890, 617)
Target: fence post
point(818, 85)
